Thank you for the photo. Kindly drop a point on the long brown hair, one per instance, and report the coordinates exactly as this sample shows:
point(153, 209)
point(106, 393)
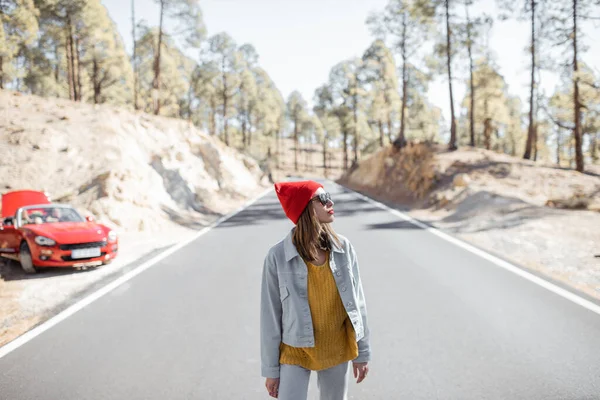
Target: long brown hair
point(310, 235)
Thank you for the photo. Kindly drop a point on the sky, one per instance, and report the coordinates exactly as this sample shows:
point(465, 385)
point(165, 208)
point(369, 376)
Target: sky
point(299, 41)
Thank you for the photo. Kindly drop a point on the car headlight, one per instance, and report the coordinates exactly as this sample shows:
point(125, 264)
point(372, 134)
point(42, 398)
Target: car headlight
point(112, 236)
point(44, 241)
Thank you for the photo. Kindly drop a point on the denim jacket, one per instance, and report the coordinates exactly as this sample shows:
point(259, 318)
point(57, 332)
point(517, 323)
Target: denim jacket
point(285, 312)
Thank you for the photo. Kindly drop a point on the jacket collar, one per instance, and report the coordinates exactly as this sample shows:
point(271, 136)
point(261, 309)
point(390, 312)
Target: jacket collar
point(291, 251)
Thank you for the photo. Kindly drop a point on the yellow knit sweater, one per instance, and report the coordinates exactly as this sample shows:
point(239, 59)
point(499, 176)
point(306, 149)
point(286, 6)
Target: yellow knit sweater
point(335, 341)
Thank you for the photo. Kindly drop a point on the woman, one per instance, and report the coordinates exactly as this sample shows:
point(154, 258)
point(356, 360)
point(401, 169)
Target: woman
point(313, 311)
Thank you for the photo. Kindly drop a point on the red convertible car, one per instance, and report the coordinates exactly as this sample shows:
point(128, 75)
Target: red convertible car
point(39, 233)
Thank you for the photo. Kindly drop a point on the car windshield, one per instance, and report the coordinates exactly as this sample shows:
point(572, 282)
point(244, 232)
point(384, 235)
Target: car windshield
point(49, 215)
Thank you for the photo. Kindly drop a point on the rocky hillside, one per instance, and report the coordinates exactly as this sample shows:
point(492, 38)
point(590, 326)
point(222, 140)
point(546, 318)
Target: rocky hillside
point(539, 216)
point(133, 171)
point(427, 175)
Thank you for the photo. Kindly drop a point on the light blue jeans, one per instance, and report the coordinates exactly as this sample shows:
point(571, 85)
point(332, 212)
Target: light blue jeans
point(332, 382)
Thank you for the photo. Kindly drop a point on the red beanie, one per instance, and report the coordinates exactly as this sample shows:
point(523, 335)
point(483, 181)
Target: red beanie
point(295, 196)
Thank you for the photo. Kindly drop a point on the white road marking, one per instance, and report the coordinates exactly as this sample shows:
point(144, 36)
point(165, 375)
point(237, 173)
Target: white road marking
point(23, 339)
point(487, 256)
point(38, 330)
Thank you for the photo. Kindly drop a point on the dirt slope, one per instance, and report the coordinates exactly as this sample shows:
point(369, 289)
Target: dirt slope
point(133, 171)
point(155, 180)
point(539, 216)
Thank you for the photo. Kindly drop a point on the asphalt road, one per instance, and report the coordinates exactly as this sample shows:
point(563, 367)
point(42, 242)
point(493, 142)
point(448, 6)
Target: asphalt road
point(446, 324)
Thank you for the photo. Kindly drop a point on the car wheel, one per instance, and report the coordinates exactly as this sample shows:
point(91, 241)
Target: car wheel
point(26, 259)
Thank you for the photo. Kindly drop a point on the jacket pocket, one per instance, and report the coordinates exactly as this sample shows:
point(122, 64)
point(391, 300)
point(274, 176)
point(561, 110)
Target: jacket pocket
point(283, 292)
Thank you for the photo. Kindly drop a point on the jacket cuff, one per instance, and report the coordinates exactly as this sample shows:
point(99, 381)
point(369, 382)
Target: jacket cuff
point(270, 372)
point(363, 357)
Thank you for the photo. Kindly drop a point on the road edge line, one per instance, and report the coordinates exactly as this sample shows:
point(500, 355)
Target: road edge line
point(61, 316)
point(589, 305)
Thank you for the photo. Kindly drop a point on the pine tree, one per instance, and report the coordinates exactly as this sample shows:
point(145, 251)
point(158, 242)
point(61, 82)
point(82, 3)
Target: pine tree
point(329, 127)
point(18, 28)
point(382, 84)
point(490, 99)
point(188, 17)
point(223, 52)
point(404, 24)
point(103, 57)
point(346, 81)
point(63, 18)
point(297, 113)
point(469, 35)
point(176, 69)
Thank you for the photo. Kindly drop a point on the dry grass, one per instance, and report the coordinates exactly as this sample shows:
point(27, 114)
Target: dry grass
point(407, 174)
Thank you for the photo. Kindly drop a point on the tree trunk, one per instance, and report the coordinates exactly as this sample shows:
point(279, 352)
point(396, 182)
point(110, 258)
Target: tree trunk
point(325, 156)
point(277, 148)
point(189, 103)
point(530, 130)
point(135, 69)
point(535, 142)
point(244, 128)
point(513, 145)
point(577, 104)
point(558, 145)
point(452, 144)
point(471, 82)
point(70, 81)
point(296, 144)
point(213, 118)
point(594, 147)
point(95, 83)
point(345, 138)
point(401, 140)
point(1, 72)
point(79, 86)
point(156, 80)
point(244, 114)
point(487, 133)
point(389, 128)
point(381, 133)
point(56, 67)
point(225, 103)
point(73, 67)
point(355, 117)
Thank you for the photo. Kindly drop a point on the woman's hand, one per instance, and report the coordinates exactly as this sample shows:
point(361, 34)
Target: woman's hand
point(272, 385)
point(360, 371)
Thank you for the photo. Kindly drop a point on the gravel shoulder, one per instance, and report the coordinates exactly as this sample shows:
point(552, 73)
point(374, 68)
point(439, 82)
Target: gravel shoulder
point(28, 300)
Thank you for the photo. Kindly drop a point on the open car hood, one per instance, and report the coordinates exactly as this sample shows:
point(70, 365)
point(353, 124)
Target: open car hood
point(12, 201)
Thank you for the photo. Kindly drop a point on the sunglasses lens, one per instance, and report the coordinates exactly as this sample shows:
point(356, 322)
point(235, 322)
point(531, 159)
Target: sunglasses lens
point(325, 198)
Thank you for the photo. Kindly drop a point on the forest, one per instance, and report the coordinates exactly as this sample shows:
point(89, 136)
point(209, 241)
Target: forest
point(72, 49)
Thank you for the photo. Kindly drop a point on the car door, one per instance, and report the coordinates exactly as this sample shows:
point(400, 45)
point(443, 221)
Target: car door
point(10, 237)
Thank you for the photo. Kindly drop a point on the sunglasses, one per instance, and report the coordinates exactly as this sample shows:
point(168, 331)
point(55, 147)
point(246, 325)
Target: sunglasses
point(324, 198)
